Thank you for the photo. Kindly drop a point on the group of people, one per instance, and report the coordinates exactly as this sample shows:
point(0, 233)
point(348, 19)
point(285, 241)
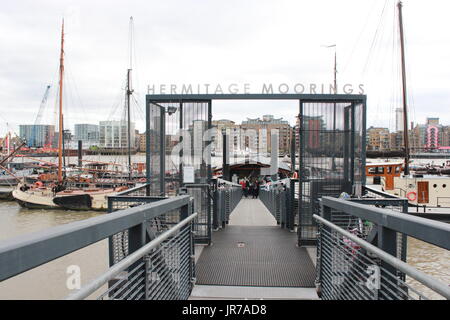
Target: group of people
point(250, 188)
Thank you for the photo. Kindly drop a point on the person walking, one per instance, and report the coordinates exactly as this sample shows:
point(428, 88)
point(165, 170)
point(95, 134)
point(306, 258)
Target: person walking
point(257, 189)
point(243, 188)
point(247, 188)
point(252, 189)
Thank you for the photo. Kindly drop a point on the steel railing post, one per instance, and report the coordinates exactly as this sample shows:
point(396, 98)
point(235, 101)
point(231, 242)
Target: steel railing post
point(216, 209)
point(387, 241)
point(325, 212)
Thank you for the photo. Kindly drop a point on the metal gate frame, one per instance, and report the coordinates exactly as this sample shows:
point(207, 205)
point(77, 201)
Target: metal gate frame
point(187, 118)
point(352, 100)
point(311, 189)
point(153, 111)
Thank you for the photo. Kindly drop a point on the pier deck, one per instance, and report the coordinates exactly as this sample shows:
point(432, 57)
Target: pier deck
point(252, 252)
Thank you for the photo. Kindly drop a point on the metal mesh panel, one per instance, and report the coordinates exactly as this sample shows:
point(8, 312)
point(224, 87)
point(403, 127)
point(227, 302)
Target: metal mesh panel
point(293, 202)
point(119, 246)
point(169, 269)
point(226, 198)
point(130, 198)
point(155, 144)
point(331, 157)
point(348, 272)
point(164, 274)
point(278, 200)
point(196, 139)
point(172, 146)
point(202, 205)
point(364, 229)
point(400, 206)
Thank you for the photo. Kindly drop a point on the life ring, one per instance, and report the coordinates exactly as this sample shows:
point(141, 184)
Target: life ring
point(412, 196)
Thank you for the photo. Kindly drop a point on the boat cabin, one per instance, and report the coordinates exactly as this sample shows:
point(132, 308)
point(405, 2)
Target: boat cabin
point(386, 170)
point(428, 190)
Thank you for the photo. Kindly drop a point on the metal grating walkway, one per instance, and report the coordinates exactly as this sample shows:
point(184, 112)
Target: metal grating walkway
point(262, 256)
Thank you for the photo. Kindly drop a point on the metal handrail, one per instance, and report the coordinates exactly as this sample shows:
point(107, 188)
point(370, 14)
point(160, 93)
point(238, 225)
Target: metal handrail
point(434, 232)
point(25, 252)
point(228, 183)
point(380, 193)
point(423, 278)
point(112, 272)
point(128, 191)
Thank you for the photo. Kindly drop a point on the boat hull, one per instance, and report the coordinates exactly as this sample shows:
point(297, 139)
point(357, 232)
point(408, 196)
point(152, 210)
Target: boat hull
point(84, 200)
point(75, 202)
point(34, 199)
point(44, 198)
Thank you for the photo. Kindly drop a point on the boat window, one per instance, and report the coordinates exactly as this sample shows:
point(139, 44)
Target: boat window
point(434, 185)
point(380, 170)
point(397, 169)
point(372, 170)
point(389, 170)
point(444, 186)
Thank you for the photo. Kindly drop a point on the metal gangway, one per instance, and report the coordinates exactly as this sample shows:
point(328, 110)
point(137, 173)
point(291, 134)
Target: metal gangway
point(152, 248)
point(350, 240)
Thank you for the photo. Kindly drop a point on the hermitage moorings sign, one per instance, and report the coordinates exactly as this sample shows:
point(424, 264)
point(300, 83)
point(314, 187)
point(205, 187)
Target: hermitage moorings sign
point(247, 88)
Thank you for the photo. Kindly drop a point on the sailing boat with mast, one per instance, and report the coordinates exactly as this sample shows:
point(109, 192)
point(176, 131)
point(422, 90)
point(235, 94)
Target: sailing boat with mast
point(56, 195)
point(432, 191)
point(83, 200)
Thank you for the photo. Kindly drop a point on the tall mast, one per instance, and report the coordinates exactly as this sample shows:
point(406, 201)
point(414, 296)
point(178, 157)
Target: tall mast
point(335, 69)
point(405, 106)
point(129, 93)
point(61, 126)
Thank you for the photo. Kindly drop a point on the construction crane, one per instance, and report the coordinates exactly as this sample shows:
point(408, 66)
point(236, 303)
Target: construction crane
point(42, 106)
point(38, 119)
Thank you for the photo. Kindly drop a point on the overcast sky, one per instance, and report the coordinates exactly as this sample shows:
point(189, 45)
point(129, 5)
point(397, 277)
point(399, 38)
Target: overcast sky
point(220, 42)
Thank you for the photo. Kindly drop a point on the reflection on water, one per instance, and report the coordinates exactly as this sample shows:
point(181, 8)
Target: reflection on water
point(49, 280)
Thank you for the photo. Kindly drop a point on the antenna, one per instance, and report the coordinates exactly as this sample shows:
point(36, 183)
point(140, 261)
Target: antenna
point(335, 65)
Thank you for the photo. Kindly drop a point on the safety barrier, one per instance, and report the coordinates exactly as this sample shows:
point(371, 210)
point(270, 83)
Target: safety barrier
point(162, 269)
point(358, 253)
point(279, 199)
point(156, 261)
point(201, 194)
point(226, 197)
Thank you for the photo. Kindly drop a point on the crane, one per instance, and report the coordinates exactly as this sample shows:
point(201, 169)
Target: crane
point(38, 119)
point(42, 106)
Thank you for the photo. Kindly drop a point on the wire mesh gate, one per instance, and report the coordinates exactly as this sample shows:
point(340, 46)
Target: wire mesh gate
point(180, 152)
point(202, 205)
point(331, 154)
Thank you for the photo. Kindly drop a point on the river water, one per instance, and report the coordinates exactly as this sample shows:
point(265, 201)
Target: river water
point(49, 280)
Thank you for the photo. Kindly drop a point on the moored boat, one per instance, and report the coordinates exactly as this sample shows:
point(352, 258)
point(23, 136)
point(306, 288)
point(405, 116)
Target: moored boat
point(40, 197)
